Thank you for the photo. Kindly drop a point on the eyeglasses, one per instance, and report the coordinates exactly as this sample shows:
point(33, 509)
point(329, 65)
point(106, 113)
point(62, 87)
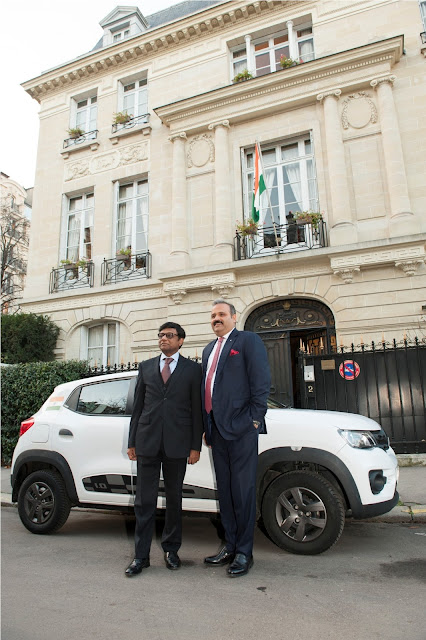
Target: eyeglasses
point(169, 336)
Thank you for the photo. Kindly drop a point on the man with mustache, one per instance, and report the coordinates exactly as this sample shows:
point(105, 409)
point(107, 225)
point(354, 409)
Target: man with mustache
point(166, 429)
point(236, 384)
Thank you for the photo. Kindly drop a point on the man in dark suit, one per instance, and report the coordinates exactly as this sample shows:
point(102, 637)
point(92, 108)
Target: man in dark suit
point(165, 430)
point(236, 384)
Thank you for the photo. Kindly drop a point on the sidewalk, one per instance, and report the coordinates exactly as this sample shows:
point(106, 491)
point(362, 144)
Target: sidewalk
point(411, 487)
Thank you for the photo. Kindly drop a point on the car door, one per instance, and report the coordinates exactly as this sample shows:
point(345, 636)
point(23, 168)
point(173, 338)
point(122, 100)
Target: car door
point(92, 437)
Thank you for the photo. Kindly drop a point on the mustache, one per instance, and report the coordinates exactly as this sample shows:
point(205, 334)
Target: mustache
point(217, 322)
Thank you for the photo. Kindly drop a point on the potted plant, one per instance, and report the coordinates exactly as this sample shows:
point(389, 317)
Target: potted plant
point(124, 255)
point(122, 117)
point(243, 75)
point(308, 217)
point(76, 132)
point(287, 62)
point(247, 228)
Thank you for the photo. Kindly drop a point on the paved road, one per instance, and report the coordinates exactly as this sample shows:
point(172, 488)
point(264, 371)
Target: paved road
point(372, 584)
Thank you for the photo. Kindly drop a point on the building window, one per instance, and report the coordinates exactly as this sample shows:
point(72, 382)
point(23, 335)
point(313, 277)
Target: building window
point(423, 12)
point(134, 97)
point(290, 180)
point(84, 111)
point(79, 236)
point(121, 35)
point(132, 217)
point(102, 344)
point(261, 55)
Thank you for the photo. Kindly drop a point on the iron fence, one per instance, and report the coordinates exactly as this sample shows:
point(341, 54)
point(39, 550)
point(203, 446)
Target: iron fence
point(280, 238)
point(131, 122)
point(71, 276)
point(126, 267)
point(384, 381)
point(79, 139)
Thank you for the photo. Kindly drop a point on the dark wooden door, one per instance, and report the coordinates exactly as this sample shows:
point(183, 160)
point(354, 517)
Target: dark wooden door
point(279, 355)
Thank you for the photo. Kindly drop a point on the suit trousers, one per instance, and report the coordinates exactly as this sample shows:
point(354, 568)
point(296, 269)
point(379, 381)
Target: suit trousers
point(147, 484)
point(235, 463)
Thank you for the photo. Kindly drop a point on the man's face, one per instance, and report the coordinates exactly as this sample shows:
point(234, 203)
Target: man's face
point(221, 320)
point(169, 345)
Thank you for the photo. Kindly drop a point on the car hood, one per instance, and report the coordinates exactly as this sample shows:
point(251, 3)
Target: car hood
point(317, 418)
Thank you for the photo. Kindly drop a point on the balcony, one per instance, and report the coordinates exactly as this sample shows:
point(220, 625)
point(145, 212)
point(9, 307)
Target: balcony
point(75, 141)
point(284, 238)
point(71, 276)
point(131, 123)
point(123, 268)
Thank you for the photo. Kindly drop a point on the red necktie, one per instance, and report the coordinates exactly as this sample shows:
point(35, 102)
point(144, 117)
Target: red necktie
point(166, 373)
point(208, 391)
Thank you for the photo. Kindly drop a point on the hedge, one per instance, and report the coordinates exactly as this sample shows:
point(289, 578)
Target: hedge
point(25, 387)
point(27, 337)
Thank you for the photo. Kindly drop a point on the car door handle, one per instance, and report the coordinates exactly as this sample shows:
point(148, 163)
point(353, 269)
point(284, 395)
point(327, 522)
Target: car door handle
point(65, 432)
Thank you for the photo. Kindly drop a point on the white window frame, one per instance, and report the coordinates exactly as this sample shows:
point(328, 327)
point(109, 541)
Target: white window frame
point(85, 349)
point(422, 7)
point(85, 116)
point(132, 205)
point(86, 216)
point(141, 87)
point(293, 45)
point(309, 200)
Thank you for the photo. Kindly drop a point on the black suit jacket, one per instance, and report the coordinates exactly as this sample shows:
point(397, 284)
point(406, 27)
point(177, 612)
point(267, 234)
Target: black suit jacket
point(241, 385)
point(169, 414)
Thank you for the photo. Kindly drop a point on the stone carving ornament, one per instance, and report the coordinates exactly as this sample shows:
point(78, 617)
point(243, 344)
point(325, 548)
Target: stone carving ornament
point(201, 151)
point(358, 111)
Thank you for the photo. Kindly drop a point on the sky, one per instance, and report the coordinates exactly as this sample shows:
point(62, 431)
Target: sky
point(34, 37)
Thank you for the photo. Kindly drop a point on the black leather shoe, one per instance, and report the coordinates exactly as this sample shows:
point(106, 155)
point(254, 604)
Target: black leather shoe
point(223, 557)
point(241, 565)
point(172, 560)
point(136, 566)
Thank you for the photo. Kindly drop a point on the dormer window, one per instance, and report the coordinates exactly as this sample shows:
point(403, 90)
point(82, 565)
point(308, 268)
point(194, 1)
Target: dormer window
point(122, 23)
point(121, 35)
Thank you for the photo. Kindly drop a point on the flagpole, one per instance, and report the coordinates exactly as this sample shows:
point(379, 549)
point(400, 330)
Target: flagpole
point(267, 193)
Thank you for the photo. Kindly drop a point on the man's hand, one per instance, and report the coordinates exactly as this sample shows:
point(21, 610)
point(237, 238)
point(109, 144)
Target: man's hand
point(194, 456)
point(131, 452)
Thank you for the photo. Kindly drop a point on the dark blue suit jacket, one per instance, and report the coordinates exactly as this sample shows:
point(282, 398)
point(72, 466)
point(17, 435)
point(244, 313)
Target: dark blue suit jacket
point(241, 385)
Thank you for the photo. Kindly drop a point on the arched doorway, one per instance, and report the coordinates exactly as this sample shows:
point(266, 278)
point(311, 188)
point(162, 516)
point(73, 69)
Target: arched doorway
point(285, 326)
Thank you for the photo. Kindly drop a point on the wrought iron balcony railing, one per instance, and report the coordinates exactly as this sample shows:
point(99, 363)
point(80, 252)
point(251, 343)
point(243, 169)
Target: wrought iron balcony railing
point(284, 238)
point(71, 276)
point(76, 140)
point(124, 268)
point(132, 122)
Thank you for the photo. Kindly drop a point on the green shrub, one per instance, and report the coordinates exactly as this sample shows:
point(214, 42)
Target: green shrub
point(28, 337)
point(25, 387)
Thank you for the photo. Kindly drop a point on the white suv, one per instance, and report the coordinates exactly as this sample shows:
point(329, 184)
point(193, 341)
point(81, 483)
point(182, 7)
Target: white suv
point(314, 466)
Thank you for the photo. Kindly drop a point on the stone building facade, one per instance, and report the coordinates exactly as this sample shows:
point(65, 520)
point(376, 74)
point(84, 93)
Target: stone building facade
point(134, 221)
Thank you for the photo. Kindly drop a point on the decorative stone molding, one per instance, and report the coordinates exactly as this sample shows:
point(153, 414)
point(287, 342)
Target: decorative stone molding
point(177, 296)
point(223, 123)
point(89, 144)
point(223, 289)
point(110, 160)
point(144, 128)
point(213, 282)
point(378, 81)
point(335, 93)
point(358, 111)
point(200, 151)
point(385, 257)
point(409, 267)
point(347, 273)
point(177, 136)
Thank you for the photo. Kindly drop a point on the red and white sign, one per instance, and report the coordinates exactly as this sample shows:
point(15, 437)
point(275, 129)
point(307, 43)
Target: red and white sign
point(349, 369)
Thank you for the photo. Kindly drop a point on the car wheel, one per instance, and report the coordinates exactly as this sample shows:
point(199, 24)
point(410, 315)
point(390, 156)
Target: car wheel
point(303, 513)
point(43, 503)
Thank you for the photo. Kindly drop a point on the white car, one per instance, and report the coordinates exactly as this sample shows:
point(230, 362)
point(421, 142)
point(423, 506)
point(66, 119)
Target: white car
point(314, 467)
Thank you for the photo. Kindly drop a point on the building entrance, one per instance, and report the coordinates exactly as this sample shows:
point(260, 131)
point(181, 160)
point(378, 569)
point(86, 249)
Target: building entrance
point(285, 327)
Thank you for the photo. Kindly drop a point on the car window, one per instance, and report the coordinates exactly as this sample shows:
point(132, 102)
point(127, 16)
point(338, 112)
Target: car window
point(104, 398)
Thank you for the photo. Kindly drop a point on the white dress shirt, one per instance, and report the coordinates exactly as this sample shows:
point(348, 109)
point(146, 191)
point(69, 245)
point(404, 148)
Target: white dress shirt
point(172, 364)
point(211, 356)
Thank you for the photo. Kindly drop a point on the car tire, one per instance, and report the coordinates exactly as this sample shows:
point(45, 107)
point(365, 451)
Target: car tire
point(317, 522)
point(43, 503)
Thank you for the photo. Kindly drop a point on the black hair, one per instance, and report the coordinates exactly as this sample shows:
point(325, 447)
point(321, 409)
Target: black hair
point(174, 325)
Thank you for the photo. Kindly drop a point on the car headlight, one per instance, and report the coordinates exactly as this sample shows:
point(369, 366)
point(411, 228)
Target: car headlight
point(358, 439)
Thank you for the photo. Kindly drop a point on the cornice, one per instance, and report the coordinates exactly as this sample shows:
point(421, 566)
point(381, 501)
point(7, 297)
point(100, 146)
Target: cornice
point(295, 85)
point(152, 42)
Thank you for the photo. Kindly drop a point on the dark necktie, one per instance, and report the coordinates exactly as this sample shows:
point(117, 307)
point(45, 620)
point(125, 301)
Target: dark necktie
point(166, 373)
point(208, 391)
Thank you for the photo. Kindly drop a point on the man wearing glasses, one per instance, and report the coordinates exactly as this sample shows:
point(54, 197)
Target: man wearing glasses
point(166, 428)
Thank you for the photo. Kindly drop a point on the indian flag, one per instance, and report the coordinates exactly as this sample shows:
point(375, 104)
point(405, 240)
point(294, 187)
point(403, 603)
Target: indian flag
point(259, 184)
